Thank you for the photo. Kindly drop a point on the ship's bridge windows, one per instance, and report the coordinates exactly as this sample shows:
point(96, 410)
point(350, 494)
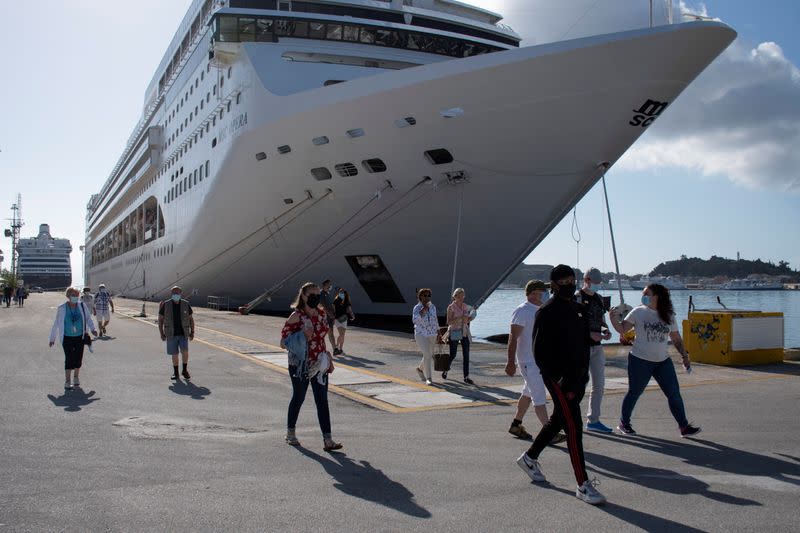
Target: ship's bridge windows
point(227, 28)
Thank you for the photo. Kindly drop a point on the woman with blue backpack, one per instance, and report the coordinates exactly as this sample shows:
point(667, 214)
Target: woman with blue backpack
point(303, 335)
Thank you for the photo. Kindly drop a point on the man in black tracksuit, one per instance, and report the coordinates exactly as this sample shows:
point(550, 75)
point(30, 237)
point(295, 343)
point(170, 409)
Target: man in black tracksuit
point(561, 350)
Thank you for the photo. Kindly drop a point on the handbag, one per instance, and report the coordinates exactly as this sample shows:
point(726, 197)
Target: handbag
point(456, 334)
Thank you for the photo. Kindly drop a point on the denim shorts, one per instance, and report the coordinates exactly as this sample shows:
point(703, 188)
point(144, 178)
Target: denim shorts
point(176, 342)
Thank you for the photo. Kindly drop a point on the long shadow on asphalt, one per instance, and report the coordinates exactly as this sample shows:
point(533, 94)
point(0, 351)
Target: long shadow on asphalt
point(187, 388)
point(478, 392)
point(73, 400)
point(647, 522)
point(358, 362)
point(713, 456)
point(361, 480)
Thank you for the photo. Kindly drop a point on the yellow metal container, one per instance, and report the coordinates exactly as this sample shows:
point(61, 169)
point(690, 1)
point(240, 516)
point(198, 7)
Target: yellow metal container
point(730, 337)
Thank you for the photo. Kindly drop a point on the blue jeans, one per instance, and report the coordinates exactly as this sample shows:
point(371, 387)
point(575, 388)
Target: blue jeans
point(639, 374)
point(464, 349)
point(299, 389)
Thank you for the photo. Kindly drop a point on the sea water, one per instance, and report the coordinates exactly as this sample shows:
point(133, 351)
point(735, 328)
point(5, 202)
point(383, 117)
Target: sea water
point(494, 316)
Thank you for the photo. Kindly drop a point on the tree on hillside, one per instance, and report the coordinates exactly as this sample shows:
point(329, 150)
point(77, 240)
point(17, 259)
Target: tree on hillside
point(721, 266)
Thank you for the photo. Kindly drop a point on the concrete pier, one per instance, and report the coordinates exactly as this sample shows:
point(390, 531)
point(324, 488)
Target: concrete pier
point(132, 450)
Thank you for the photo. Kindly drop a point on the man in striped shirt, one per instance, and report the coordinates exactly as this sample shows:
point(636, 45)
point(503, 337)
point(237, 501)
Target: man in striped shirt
point(102, 303)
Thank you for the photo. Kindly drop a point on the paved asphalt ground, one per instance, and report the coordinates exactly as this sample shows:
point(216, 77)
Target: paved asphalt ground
point(133, 451)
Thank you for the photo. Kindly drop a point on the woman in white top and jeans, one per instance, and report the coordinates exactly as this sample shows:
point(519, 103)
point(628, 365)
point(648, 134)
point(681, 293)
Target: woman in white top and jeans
point(426, 327)
point(458, 319)
point(654, 323)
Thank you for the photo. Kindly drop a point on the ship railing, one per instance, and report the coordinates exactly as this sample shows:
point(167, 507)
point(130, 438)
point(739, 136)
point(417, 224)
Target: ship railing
point(219, 303)
point(150, 110)
point(221, 103)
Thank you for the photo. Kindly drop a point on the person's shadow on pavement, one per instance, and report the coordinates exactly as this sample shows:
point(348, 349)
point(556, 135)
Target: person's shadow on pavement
point(187, 388)
point(361, 480)
point(645, 521)
point(715, 456)
point(73, 400)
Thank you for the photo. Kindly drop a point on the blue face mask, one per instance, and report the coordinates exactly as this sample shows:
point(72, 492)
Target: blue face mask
point(74, 299)
point(341, 296)
point(645, 299)
point(176, 298)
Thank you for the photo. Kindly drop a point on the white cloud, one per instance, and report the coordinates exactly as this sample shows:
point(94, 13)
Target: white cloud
point(740, 119)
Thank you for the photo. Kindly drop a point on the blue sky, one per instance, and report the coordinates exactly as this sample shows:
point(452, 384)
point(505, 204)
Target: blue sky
point(74, 92)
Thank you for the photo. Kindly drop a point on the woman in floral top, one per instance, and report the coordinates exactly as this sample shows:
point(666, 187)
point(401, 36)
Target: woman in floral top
point(310, 318)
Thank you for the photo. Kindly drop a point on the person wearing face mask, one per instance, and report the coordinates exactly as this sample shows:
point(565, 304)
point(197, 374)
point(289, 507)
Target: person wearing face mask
point(595, 311)
point(102, 303)
point(654, 323)
point(176, 326)
point(426, 328)
point(520, 355)
point(458, 319)
point(343, 311)
point(309, 321)
point(561, 351)
point(72, 321)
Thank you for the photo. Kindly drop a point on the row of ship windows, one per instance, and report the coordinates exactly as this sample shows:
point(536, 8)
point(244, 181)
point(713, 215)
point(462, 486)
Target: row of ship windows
point(185, 98)
point(188, 181)
point(209, 125)
point(141, 226)
point(439, 156)
point(191, 34)
point(232, 28)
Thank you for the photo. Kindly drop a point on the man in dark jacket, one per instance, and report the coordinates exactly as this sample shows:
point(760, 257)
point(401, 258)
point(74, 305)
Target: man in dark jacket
point(561, 348)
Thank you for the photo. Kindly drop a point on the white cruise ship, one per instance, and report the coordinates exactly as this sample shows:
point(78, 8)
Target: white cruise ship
point(44, 261)
point(385, 144)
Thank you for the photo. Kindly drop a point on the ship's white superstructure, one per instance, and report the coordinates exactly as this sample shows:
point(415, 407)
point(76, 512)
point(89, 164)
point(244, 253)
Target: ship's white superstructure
point(387, 145)
point(44, 260)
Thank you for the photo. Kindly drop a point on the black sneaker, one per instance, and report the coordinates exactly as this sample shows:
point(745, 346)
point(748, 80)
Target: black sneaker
point(689, 430)
point(186, 374)
point(469, 381)
point(174, 377)
point(625, 429)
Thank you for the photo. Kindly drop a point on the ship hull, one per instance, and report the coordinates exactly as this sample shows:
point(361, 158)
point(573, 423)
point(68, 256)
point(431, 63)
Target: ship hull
point(527, 130)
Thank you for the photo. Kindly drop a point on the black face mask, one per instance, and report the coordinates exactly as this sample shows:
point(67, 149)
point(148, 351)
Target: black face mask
point(312, 300)
point(566, 291)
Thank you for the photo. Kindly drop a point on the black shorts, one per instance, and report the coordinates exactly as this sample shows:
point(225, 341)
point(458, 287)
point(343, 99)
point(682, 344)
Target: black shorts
point(73, 352)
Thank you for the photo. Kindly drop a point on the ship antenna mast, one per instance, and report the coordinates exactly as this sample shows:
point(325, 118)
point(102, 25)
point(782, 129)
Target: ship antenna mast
point(16, 225)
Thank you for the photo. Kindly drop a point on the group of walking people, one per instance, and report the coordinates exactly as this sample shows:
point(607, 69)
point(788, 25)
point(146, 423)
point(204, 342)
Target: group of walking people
point(74, 321)
point(18, 294)
point(556, 344)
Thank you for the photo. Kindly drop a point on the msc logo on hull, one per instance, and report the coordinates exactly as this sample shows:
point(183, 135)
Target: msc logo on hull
point(646, 114)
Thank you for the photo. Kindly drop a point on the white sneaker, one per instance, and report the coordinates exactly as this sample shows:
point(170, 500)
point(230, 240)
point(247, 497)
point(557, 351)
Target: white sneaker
point(588, 493)
point(67, 385)
point(76, 382)
point(531, 468)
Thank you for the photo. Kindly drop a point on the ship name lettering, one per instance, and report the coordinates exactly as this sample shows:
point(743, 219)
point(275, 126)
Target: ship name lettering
point(647, 113)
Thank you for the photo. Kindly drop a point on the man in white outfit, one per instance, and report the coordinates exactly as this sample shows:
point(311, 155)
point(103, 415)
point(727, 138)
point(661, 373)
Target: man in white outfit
point(520, 354)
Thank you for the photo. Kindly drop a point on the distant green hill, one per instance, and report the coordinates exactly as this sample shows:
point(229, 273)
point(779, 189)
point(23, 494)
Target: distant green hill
point(721, 266)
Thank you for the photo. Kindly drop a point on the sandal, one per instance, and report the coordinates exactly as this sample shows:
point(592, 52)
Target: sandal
point(331, 445)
